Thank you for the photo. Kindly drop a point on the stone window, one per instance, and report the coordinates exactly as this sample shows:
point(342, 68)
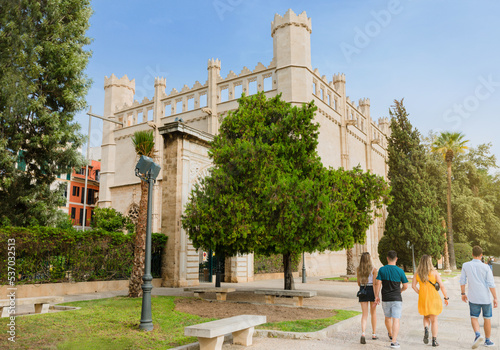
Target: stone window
point(268, 83)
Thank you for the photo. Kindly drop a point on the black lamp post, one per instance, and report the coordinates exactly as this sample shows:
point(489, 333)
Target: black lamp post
point(303, 267)
point(147, 170)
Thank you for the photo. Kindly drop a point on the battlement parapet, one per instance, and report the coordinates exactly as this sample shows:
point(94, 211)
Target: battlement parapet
point(364, 102)
point(213, 63)
point(124, 81)
point(160, 82)
point(339, 78)
point(290, 18)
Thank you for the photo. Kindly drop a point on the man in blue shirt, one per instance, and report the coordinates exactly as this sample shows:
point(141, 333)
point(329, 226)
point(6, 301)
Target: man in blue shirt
point(481, 284)
point(389, 278)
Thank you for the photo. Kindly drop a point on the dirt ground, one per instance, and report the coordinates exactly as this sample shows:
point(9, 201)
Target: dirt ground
point(248, 303)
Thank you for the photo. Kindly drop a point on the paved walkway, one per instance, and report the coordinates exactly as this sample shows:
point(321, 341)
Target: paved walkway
point(455, 331)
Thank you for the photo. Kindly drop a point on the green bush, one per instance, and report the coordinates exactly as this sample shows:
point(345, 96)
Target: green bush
point(463, 253)
point(273, 263)
point(111, 220)
point(48, 254)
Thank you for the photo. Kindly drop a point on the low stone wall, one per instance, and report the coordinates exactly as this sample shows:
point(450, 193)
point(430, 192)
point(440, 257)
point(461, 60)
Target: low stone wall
point(67, 288)
point(272, 276)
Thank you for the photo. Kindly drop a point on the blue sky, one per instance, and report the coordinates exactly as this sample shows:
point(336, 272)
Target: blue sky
point(441, 56)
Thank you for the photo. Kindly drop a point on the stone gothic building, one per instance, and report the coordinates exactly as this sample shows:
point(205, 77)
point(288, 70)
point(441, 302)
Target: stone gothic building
point(185, 121)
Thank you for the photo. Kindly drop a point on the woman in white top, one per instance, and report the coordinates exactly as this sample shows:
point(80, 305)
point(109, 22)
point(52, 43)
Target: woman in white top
point(365, 273)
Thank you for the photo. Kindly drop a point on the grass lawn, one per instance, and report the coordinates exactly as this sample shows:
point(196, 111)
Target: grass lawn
point(113, 324)
point(352, 279)
point(310, 325)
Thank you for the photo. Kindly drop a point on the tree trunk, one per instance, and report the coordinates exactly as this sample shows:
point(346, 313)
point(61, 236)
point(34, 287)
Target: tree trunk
point(135, 283)
point(446, 257)
point(287, 264)
point(451, 248)
point(350, 270)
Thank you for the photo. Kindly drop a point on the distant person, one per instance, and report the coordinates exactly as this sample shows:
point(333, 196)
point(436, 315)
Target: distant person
point(429, 301)
point(365, 274)
point(389, 278)
point(480, 284)
point(490, 263)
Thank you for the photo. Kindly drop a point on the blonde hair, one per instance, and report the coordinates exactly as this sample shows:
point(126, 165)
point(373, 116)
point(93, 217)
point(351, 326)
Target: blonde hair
point(424, 268)
point(365, 267)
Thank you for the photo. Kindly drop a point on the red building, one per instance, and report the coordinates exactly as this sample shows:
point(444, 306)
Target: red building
point(77, 193)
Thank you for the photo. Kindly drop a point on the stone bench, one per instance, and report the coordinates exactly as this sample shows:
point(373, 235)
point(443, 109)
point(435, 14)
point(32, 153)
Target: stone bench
point(41, 304)
point(220, 293)
point(347, 277)
point(298, 295)
point(211, 334)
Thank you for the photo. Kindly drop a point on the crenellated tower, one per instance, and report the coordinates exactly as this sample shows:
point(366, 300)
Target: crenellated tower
point(213, 68)
point(117, 92)
point(291, 35)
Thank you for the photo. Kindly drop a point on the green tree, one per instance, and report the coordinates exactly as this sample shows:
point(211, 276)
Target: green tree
point(269, 193)
point(42, 86)
point(450, 144)
point(414, 214)
point(144, 145)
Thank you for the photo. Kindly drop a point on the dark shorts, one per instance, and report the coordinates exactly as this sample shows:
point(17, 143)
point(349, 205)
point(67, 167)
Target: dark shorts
point(369, 296)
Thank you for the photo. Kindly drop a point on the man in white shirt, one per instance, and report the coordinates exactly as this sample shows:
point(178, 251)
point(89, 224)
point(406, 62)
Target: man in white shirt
point(481, 283)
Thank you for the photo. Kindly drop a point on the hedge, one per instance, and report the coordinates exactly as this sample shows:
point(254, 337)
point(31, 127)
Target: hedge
point(273, 263)
point(47, 254)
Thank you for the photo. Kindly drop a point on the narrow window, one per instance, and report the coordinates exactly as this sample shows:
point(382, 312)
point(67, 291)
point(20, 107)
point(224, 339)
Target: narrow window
point(238, 90)
point(268, 83)
point(203, 100)
point(168, 110)
point(252, 87)
point(190, 104)
point(224, 95)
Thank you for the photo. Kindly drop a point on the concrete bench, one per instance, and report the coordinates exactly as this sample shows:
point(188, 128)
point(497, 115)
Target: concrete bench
point(220, 293)
point(211, 334)
point(41, 304)
point(298, 295)
point(347, 277)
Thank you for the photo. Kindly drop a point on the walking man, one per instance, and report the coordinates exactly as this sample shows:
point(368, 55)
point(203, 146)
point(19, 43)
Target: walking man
point(389, 278)
point(480, 282)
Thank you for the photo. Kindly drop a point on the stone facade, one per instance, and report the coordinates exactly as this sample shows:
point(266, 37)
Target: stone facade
point(185, 121)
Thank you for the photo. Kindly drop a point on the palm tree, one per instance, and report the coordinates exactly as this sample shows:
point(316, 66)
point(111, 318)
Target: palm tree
point(448, 144)
point(144, 145)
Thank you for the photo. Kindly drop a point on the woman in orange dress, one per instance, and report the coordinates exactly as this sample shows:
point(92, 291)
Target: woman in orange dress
point(429, 301)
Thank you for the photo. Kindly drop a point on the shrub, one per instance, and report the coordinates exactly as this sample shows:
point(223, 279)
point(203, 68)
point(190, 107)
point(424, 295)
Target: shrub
point(273, 263)
point(111, 220)
point(463, 253)
point(48, 254)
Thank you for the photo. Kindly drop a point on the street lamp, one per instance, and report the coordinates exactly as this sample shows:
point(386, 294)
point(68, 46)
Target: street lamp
point(147, 170)
point(303, 267)
point(408, 244)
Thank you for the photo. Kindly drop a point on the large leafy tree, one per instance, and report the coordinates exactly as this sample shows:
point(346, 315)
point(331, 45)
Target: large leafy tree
point(450, 144)
point(42, 86)
point(475, 199)
point(414, 214)
point(144, 145)
point(269, 193)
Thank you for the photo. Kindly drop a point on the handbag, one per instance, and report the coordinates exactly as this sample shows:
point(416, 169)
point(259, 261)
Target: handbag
point(436, 285)
point(362, 291)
